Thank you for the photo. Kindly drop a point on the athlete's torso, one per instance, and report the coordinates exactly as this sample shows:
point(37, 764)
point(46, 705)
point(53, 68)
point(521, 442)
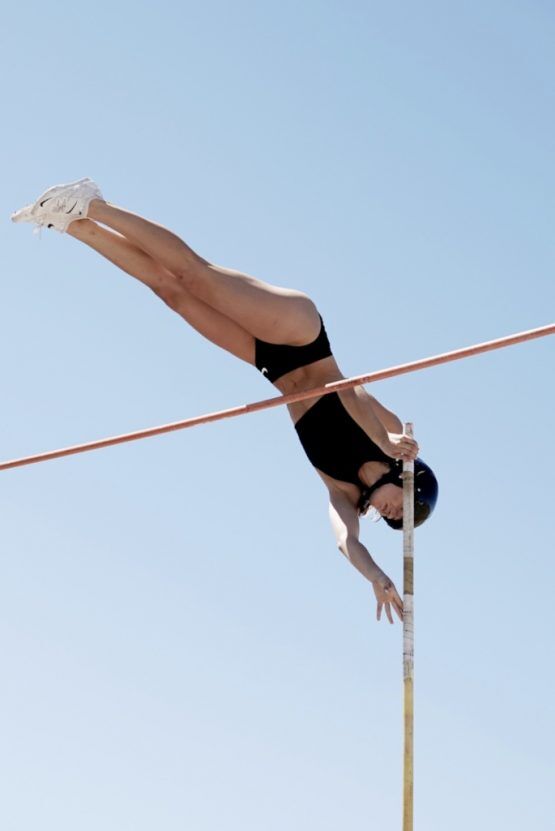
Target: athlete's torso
point(335, 445)
point(339, 449)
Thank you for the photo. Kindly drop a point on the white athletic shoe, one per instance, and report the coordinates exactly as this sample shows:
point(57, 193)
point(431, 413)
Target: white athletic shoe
point(57, 207)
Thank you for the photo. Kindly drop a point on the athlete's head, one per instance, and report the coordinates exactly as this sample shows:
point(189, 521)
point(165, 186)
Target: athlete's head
point(386, 495)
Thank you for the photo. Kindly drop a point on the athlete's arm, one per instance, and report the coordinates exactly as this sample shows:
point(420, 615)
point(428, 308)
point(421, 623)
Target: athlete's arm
point(390, 421)
point(379, 423)
point(345, 524)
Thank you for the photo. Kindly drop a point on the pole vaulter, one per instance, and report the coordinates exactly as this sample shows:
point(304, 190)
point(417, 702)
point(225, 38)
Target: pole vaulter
point(281, 332)
point(370, 467)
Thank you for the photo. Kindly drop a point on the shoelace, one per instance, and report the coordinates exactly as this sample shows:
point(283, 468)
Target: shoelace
point(40, 223)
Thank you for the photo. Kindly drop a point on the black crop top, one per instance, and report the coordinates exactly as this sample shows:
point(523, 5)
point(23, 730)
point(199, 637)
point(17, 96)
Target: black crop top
point(334, 442)
point(275, 360)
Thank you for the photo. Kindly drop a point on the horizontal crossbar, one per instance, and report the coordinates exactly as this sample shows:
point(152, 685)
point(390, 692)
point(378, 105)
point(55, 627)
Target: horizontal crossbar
point(281, 400)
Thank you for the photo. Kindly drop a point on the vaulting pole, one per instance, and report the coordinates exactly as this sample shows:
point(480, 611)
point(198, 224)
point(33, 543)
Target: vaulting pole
point(408, 639)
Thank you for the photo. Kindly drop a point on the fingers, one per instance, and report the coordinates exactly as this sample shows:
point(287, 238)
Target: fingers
point(406, 454)
point(410, 452)
point(387, 603)
point(397, 608)
point(384, 603)
point(408, 448)
point(397, 603)
point(387, 598)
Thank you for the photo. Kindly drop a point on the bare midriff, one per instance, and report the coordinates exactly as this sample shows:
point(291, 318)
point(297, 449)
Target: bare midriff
point(306, 378)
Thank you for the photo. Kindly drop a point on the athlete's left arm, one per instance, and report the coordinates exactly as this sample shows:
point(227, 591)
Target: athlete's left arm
point(345, 524)
point(379, 423)
point(390, 421)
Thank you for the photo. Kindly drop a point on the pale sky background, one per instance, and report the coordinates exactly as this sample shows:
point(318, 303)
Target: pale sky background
point(182, 645)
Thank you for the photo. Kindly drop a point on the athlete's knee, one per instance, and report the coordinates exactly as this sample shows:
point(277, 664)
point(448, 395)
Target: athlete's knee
point(308, 310)
point(309, 305)
point(171, 296)
point(190, 276)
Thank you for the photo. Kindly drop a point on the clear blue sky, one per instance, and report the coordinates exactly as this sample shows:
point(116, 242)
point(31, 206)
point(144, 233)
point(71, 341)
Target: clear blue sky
point(182, 645)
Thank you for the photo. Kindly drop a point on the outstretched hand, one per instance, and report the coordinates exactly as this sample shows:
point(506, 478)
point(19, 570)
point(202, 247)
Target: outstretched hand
point(386, 595)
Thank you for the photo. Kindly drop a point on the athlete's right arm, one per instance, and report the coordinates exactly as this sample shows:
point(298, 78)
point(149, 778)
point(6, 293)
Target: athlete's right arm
point(345, 524)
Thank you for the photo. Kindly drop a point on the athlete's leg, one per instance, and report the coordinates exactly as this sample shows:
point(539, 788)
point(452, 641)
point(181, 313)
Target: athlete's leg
point(214, 325)
point(270, 313)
